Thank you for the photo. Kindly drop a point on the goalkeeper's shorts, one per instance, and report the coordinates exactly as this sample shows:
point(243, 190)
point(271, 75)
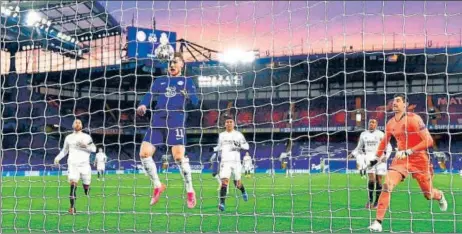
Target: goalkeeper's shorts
point(416, 164)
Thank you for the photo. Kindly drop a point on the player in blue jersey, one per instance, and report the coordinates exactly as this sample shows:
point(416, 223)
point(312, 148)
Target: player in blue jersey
point(172, 94)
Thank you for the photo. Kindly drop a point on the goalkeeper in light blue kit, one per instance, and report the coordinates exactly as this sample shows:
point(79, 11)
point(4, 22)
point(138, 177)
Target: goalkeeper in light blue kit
point(172, 94)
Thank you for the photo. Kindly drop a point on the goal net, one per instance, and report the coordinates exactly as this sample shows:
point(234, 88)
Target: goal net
point(300, 79)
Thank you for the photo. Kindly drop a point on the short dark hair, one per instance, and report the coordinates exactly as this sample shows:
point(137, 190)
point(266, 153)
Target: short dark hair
point(229, 117)
point(402, 96)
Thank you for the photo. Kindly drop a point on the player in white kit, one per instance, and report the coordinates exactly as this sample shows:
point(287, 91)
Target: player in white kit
point(365, 152)
point(230, 143)
point(100, 162)
point(79, 146)
point(247, 161)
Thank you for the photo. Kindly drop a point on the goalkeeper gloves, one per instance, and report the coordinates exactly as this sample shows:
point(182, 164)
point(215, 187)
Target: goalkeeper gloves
point(402, 154)
point(56, 161)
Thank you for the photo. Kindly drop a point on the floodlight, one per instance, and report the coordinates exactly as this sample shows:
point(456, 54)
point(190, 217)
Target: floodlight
point(358, 116)
point(235, 56)
point(6, 11)
point(32, 18)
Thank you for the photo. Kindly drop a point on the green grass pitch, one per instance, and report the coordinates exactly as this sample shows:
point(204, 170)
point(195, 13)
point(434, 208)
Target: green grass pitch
point(304, 203)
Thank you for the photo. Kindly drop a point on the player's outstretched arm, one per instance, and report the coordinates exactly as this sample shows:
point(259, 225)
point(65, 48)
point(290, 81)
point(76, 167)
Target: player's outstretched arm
point(64, 151)
point(147, 100)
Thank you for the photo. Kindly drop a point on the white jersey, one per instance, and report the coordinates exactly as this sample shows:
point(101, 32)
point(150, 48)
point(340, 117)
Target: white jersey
point(101, 158)
point(77, 154)
point(247, 160)
point(230, 144)
point(369, 143)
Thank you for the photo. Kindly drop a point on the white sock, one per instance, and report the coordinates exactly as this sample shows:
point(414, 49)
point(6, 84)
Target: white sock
point(185, 170)
point(151, 170)
point(218, 179)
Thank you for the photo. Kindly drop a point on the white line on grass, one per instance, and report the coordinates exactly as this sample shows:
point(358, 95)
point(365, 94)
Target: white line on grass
point(307, 215)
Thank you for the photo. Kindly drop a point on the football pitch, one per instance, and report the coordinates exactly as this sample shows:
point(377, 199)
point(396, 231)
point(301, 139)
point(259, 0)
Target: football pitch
point(303, 203)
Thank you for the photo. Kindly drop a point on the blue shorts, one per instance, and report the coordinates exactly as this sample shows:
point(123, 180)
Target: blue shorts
point(162, 136)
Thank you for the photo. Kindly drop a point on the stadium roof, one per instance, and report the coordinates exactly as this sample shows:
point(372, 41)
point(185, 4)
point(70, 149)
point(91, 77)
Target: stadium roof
point(55, 25)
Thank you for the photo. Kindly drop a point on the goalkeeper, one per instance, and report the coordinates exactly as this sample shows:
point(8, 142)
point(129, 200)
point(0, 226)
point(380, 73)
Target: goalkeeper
point(168, 124)
point(413, 140)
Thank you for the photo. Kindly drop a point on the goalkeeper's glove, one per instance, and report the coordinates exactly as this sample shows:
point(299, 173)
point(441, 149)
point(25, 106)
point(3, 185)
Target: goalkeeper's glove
point(56, 161)
point(402, 154)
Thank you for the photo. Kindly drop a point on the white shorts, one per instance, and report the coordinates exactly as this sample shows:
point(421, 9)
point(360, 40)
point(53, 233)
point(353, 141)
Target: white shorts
point(230, 168)
point(248, 167)
point(77, 172)
point(378, 169)
point(100, 167)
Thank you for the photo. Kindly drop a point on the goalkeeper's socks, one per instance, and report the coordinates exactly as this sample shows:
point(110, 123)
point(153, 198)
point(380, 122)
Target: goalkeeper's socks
point(378, 191)
point(150, 168)
point(86, 188)
point(72, 195)
point(223, 190)
point(371, 186)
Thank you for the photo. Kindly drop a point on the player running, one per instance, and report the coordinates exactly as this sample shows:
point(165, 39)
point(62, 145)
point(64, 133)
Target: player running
point(369, 141)
point(100, 163)
point(413, 140)
point(168, 125)
point(247, 161)
point(79, 146)
point(230, 143)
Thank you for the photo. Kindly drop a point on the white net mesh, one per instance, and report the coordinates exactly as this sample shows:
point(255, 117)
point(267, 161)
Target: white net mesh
point(300, 79)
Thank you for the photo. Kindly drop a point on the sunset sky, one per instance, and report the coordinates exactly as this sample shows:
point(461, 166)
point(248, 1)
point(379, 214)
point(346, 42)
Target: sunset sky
point(285, 26)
